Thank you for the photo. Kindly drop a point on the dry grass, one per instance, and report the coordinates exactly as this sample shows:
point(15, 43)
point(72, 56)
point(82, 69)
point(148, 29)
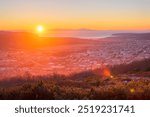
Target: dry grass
point(85, 85)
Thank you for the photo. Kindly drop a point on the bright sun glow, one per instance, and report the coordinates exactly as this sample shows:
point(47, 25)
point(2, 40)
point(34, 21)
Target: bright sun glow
point(40, 28)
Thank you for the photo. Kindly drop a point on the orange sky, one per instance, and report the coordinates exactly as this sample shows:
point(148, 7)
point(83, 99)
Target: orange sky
point(70, 14)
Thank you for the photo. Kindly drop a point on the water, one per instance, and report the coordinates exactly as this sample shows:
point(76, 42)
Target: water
point(90, 34)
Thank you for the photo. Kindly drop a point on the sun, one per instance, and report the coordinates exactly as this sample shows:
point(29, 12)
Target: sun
point(40, 28)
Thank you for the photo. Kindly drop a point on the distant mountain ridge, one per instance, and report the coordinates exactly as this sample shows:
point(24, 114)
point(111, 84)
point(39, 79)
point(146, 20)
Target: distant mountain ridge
point(133, 35)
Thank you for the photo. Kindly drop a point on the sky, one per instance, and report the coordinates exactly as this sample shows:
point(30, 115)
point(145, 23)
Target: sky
point(75, 14)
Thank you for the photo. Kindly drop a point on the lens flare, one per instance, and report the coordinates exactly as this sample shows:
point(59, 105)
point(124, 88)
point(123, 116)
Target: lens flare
point(107, 73)
point(132, 90)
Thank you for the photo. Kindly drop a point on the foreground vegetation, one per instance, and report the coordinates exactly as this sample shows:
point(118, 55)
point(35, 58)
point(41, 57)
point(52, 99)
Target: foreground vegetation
point(130, 81)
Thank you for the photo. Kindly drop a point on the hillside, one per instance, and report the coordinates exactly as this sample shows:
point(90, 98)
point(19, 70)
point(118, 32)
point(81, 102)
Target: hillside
point(143, 36)
point(25, 40)
point(126, 84)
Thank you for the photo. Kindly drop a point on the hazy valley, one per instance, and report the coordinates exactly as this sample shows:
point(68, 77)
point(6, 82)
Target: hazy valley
point(42, 56)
